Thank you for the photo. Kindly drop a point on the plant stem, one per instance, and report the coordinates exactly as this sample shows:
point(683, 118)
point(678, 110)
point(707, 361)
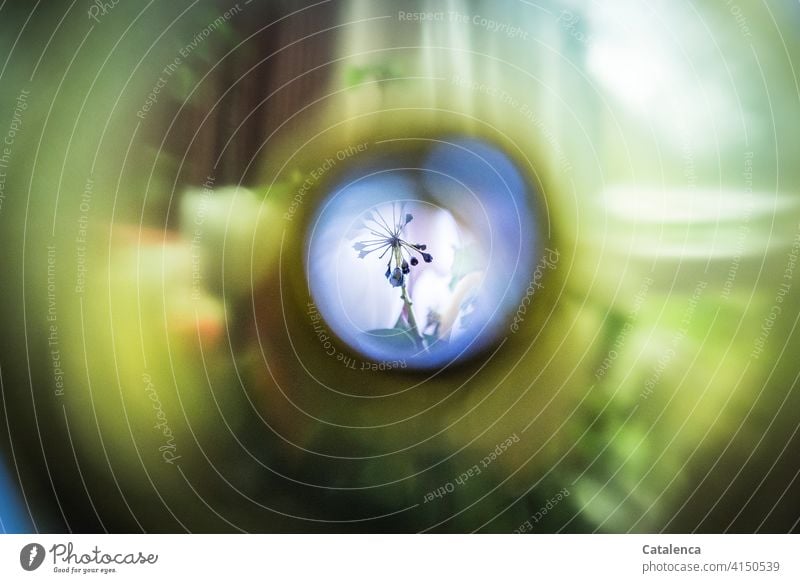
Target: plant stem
point(412, 320)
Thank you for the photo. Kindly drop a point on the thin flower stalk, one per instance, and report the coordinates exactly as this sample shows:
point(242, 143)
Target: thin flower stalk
point(402, 256)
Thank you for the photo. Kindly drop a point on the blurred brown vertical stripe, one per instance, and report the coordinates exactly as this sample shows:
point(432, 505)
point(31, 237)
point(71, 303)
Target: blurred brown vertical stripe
point(277, 59)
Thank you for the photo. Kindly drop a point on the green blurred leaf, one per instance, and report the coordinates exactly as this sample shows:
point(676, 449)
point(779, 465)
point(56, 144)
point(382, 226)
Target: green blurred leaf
point(393, 339)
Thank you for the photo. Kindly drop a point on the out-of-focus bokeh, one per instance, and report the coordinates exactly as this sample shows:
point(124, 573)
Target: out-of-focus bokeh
point(604, 340)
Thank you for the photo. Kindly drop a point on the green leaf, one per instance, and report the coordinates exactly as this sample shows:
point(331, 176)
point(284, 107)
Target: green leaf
point(391, 339)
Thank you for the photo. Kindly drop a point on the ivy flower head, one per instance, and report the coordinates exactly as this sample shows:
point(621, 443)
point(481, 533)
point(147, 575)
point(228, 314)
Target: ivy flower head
point(387, 239)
